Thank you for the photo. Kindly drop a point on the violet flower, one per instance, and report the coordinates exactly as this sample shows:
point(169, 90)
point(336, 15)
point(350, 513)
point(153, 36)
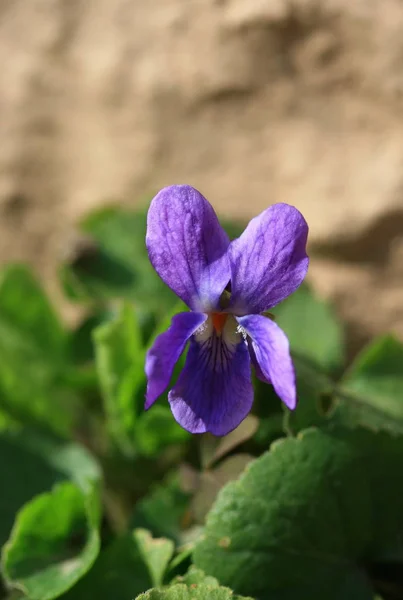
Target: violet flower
point(227, 286)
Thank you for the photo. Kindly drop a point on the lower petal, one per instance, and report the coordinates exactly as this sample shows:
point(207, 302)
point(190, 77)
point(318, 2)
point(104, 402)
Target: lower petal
point(166, 350)
point(272, 352)
point(258, 371)
point(214, 391)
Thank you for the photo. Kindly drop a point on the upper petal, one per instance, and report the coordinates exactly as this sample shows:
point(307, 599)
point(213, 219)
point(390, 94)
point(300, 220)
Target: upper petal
point(272, 353)
point(187, 246)
point(269, 260)
point(214, 391)
point(166, 350)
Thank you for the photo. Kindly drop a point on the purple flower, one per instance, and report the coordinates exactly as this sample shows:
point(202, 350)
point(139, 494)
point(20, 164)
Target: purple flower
point(227, 285)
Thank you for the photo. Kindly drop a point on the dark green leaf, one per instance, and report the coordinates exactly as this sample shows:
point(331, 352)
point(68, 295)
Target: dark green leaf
point(315, 394)
point(118, 574)
point(54, 542)
point(312, 329)
point(306, 518)
point(163, 510)
point(114, 262)
point(31, 464)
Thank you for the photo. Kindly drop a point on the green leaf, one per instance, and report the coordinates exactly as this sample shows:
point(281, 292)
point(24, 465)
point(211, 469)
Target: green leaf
point(33, 464)
point(54, 542)
point(114, 262)
point(195, 591)
point(210, 482)
point(119, 573)
point(120, 364)
point(80, 343)
point(308, 518)
point(156, 429)
point(312, 329)
point(156, 553)
point(315, 392)
point(163, 510)
point(222, 446)
point(32, 356)
point(371, 392)
point(25, 306)
point(196, 576)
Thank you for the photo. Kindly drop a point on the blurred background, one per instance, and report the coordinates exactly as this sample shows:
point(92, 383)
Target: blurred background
point(251, 101)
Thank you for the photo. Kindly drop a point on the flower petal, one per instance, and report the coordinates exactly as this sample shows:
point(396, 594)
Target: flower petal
point(214, 391)
point(166, 350)
point(269, 260)
point(187, 246)
point(258, 371)
point(272, 352)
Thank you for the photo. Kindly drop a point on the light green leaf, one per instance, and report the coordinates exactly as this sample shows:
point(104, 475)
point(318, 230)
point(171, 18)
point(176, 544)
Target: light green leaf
point(196, 576)
point(32, 356)
point(371, 392)
point(156, 553)
point(33, 464)
point(120, 365)
point(305, 518)
point(54, 542)
point(194, 592)
point(156, 429)
point(312, 329)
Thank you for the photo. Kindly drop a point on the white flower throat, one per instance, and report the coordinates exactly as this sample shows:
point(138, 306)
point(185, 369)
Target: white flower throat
point(221, 325)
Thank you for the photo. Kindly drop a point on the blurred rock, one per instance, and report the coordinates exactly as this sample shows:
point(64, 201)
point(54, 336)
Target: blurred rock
point(251, 101)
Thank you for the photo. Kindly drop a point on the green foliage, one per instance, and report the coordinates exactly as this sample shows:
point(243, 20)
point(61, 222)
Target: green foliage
point(131, 564)
point(110, 261)
point(54, 542)
point(196, 576)
point(31, 463)
point(156, 554)
point(194, 592)
point(305, 504)
point(119, 357)
point(163, 510)
point(371, 391)
point(307, 516)
point(312, 329)
point(32, 356)
point(120, 363)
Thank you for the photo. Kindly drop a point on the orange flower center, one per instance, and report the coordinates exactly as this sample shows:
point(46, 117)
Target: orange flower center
point(219, 320)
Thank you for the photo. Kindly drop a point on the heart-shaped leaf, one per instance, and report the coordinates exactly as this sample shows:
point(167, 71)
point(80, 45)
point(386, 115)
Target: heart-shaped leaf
point(309, 518)
point(54, 542)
